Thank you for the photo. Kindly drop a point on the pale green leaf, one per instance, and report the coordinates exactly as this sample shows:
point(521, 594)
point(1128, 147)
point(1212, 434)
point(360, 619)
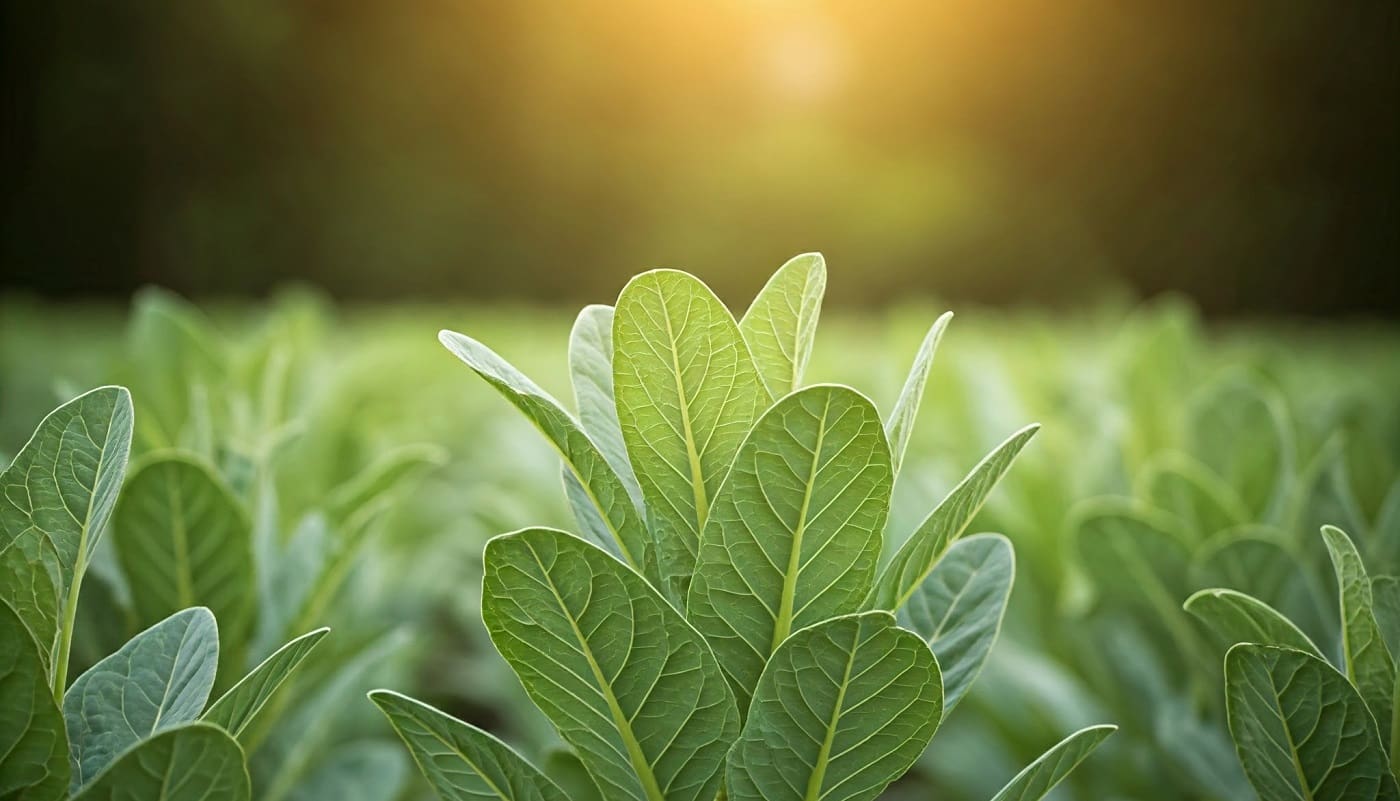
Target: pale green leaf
point(781, 323)
point(1301, 730)
point(1239, 428)
point(237, 707)
point(386, 473)
point(958, 609)
point(844, 708)
point(793, 537)
point(55, 499)
point(900, 426)
point(626, 681)
point(33, 744)
point(1237, 618)
point(1385, 595)
point(195, 762)
point(915, 559)
point(591, 372)
point(1260, 561)
point(629, 535)
point(160, 679)
point(1368, 663)
point(1041, 776)
point(460, 761)
point(1205, 504)
point(687, 392)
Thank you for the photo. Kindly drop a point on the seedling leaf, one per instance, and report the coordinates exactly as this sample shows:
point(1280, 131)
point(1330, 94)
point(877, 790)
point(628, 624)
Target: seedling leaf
point(1368, 663)
point(195, 762)
point(237, 707)
point(781, 324)
point(900, 425)
point(1238, 618)
point(1041, 776)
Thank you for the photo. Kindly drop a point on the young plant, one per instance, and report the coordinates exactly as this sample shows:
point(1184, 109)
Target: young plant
point(137, 724)
point(732, 621)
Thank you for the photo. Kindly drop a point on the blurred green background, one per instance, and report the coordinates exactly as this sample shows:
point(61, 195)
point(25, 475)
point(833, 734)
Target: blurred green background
point(1245, 152)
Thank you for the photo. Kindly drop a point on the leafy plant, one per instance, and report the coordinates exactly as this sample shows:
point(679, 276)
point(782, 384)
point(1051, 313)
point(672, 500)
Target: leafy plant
point(729, 621)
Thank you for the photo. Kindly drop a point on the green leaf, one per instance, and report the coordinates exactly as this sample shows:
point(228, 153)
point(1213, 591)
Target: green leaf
point(781, 324)
point(365, 770)
point(626, 681)
point(687, 392)
point(160, 679)
point(900, 426)
point(1241, 431)
point(460, 761)
point(794, 534)
point(55, 499)
point(915, 559)
point(843, 709)
point(1258, 560)
point(184, 540)
point(386, 473)
point(1368, 663)
point(1385, 594)
point(629, 537)
point(33, 744)
point(564, 768)
point(1237, 618)
point(591, 371)
point(237, 707)
point(1301, 729)
point(1188, 489)
point(195, 762)
point(1041, 776)
point(958, 609)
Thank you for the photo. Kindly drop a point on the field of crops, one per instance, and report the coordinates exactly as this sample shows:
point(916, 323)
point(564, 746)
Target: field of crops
point(296, 465)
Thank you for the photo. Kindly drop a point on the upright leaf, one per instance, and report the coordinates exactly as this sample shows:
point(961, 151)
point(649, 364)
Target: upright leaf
point(55, 498)
point(687, 392)
point(194, 762)
point(33, 744)
point(843, 709)
point(629, 537)
point(793, 537)
point(160, 679)
point(460, 761)
point(1238, 618)
point(1368, 663)
point(1041, 776)
point(1385, 593)
point(1188, 489)
point(958, 609)
point(237, 707)
point(1301, 729)
point(915, 559)
point(900, 425)
point(591, 370)
point(781, 324)
point(626, 681)
point(183, 540)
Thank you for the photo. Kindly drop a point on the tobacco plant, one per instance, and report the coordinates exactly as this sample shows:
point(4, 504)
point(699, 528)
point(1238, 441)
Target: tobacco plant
point(732, 618)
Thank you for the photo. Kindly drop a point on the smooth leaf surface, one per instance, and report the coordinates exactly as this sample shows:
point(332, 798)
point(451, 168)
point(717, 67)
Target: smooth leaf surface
point(626, 681)
point(55, 499)
point(1041, 776)
point(237, 707)
point(1385, 594)
point(33, 744)
point(160, 679)
point(794, 534)
point(1368, 663)
point(195, 762)
point(1238, 618)
point(900, 426)
point(844, 708)
point(915, 559)
point(958, 609)
point(781, 323)
point(687, 392)
point(628, 534)
point(460, 761)
point(591, 371)
point(1302, 732)
point(1257, 560)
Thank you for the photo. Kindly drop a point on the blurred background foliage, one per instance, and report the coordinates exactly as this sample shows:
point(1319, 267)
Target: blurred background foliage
point(1246, 153)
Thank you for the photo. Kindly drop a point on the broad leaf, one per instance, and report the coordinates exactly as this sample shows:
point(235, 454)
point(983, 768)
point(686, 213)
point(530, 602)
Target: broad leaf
point(794, 535)
point(1188, 489)
point(591, 371)
point(460, 761)
point(1301, 729)
point(1256, 560)
point(1240, 430)
point(1238, 618)
point(843, 709)
point(1368, 663)
point(195, 762)
point(958, 609)
point(781, 324)
point(900, 425)
point(1041, 776)
point(160, 679)
point(237, 707)
point(915, 559)
point(626, 681)
point(183, 540)
point(33, 744)
point(687, 392)
point(629, 537)
point(55, 499)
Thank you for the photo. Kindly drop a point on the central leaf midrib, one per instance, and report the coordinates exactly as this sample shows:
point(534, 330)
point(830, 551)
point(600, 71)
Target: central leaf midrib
point(697, 473)
point(814, 783)
point(1292, 747)
point(782, 625)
